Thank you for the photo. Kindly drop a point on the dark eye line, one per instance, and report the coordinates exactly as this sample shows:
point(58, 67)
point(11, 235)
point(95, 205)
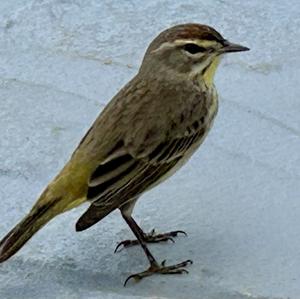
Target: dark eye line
point(193, 48)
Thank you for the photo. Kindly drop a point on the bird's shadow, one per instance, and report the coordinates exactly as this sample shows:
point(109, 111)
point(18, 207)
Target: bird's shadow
point(96, 276)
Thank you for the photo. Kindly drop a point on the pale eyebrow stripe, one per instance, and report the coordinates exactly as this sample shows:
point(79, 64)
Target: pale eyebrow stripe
point(181, 42)
point(199, 42)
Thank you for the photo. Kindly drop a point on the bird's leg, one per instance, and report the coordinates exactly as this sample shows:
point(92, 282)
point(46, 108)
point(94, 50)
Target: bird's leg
point(150, 237)
point(155, 267)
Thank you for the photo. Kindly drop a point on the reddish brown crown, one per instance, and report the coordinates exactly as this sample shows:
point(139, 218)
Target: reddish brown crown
point(186, 31)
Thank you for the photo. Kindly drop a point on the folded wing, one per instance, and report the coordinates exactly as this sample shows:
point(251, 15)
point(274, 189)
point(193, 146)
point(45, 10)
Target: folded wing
point(123, 176)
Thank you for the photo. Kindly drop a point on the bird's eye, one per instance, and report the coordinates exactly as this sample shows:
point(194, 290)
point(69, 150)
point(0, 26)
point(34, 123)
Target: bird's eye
point(193, 48)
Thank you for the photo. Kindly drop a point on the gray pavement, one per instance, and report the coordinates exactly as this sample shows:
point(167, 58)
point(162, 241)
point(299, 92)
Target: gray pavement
point(238, 197)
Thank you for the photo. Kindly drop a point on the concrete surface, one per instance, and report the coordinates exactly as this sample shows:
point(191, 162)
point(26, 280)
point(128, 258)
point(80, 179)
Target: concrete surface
point(238, 198)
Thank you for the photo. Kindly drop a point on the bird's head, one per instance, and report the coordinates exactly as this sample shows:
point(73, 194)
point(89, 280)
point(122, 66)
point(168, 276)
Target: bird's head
point(189, 49)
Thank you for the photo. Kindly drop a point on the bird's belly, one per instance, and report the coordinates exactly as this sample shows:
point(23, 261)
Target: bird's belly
point(212, 108)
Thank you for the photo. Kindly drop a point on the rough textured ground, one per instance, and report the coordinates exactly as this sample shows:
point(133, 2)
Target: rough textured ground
point(238, 198)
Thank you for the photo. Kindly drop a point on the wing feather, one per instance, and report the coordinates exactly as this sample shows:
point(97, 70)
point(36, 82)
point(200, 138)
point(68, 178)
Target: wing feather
point(146, 144)
point(106, 171)
point(126, 176)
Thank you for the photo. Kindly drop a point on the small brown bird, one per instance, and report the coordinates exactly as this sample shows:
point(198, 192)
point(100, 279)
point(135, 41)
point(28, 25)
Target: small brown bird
point(147, 132)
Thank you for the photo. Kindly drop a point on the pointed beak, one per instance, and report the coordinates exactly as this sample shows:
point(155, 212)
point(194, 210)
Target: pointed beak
point(231, 47)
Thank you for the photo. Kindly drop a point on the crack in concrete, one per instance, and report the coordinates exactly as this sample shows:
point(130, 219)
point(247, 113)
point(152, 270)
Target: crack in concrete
point(261, 115)
point(44, 86)
point(247, 158)
point(264, 68)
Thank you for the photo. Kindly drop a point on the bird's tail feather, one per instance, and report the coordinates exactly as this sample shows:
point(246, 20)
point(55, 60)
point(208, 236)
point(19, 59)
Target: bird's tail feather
point(26, 228)
point(93, 215)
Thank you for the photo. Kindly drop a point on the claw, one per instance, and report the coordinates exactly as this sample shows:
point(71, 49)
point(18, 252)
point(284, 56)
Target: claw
point(118, 246)
point(151, 238)
point(136, 277)
point(126, 243)
point(162, 269)
point(176, 232)
point(185, 263)
point(176, 271)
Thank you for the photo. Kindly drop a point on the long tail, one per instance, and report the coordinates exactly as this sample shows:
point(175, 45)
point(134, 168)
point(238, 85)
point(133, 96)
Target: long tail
point(62, 194)
point(26, 228)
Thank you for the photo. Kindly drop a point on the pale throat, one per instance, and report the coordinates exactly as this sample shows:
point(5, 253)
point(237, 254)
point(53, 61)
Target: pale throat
point(207, 77)
point(209, 74)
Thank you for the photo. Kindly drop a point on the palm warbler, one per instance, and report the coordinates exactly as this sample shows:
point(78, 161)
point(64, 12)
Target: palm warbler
point(147, 132)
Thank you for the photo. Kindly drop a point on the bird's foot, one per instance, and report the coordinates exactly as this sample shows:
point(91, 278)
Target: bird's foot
point(152, 238)
point(160, 269)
